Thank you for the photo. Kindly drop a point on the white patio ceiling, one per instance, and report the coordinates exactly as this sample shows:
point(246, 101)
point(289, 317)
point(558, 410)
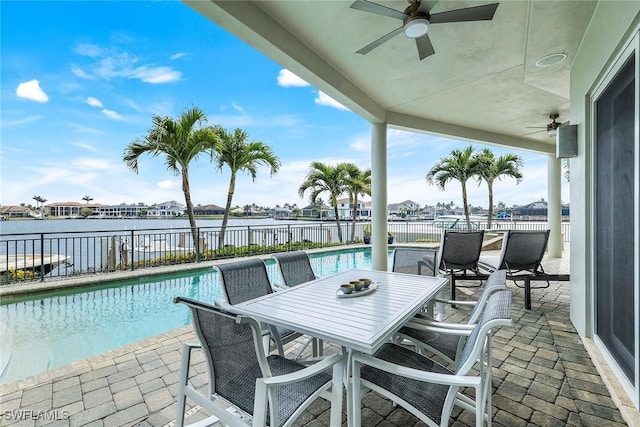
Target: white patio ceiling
point(482, 83)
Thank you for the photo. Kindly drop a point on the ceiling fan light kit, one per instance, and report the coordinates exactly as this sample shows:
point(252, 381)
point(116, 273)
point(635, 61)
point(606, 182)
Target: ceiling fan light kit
point(416, 26)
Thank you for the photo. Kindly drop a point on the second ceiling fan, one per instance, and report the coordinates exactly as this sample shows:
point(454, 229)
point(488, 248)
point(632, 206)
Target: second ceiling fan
point(416, 20)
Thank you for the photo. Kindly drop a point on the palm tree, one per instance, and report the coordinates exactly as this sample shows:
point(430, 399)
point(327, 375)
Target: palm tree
point(506, 165)
point(40, 204)
point(180, 141)
point(87, 199)
point(357, 183)
point(239, 154)
point(460, 165)
point(321, 178)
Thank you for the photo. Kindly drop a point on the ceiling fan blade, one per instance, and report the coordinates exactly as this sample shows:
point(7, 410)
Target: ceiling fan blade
point(427, 5)
point(425, 48)
point(367, 6)
point(368, 48)
point(476, 13)
point(533, 133)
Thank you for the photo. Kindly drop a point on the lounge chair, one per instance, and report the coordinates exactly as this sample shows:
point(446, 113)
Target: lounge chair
point(522, 252)
point(263, 390)
point(460, 251)
point(521, 256)
point(420, 261)
point(424, 387)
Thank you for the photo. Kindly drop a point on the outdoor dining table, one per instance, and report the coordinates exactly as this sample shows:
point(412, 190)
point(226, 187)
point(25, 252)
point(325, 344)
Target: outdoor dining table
point(359, 322)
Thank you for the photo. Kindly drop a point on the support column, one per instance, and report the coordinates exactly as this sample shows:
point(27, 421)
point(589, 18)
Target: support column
point(554, 207)
point(379, 196)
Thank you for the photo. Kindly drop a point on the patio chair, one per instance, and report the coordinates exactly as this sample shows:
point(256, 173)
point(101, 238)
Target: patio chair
point(444, 339)
point(420, 261)
point(460, 251)
point(263, 390)
point(522, 252)
point(295, 269)
point(427, 389)
point(248, 279)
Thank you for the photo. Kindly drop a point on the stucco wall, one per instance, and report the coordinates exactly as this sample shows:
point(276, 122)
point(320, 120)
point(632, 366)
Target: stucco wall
point(612, 26)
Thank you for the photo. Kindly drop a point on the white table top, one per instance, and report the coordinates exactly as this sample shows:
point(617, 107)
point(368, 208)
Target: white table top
point(360, 323)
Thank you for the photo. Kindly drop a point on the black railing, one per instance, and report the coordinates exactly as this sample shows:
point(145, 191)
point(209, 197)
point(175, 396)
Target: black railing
point(36, 256)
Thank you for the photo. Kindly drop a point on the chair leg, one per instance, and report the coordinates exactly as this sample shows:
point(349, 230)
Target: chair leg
point(181, 398)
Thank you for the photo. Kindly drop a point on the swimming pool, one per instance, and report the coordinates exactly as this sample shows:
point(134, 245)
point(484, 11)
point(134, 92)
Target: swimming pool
point(43, 334)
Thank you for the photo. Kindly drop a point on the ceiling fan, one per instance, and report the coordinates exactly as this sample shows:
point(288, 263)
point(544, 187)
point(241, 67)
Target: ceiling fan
point(416, 20)
point(550, 128)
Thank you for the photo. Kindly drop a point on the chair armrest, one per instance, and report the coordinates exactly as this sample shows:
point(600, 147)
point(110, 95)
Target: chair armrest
point(446, 328)
point(416, 374)
point(303, 374)
point(279, 287)
point(455, 302)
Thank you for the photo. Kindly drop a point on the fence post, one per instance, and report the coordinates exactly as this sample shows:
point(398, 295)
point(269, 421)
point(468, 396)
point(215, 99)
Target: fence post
point(132, 251)
point(289, 237)
point(42, 257)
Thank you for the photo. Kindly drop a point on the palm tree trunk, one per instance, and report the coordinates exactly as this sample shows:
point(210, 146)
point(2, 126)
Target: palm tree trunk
point(353, 218)
point(335, 212)
point(187, 199)
point(227, 209)
point(490, 185)
point(466, 206)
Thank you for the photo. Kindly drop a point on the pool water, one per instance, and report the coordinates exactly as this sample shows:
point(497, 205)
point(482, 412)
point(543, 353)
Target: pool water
point(43, 334)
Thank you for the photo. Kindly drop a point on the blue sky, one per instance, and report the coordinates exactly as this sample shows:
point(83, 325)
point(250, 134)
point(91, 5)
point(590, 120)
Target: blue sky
point(81, 80)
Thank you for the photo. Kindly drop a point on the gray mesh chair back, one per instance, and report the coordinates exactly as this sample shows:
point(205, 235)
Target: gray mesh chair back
point(248, 279)
point(523, 250)
point(295, 267)
point(420, 261)
point(244, 280)
point(432, 337)
point(235, 359)
point(460, 251)
point(429, 390)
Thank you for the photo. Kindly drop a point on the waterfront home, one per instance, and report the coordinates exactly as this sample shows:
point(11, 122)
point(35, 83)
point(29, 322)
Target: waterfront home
point(489, 82)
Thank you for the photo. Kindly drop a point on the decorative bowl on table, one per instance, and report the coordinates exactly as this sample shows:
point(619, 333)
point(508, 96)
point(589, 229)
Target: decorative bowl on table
point(347, 288)
point(357, 285)
point(366, 282)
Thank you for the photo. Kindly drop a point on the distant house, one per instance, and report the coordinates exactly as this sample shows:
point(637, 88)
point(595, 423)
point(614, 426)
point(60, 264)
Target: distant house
point(166, 209)
point(122, 210)
point(406, 208)
point(13, 211)
point(70, 209)
point(208, 210)
point(323, 211)
point(536, 211)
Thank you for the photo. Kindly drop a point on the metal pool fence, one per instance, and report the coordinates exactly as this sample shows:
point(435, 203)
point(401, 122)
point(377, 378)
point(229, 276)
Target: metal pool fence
point(36, 256)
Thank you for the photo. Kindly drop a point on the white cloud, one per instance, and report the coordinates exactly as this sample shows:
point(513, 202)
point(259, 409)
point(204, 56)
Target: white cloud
point(90, 50)
point(113, 63)
point(89, 163)
point(156, 75)
point(238, 108)
point(287, 79)
point(31, 90)
point(111, 114)
point(169, 184)
point(94, 102)
point(19, 122)
point(86, 146)
point(178, 55)
point(81, 73)
point(324, 99)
